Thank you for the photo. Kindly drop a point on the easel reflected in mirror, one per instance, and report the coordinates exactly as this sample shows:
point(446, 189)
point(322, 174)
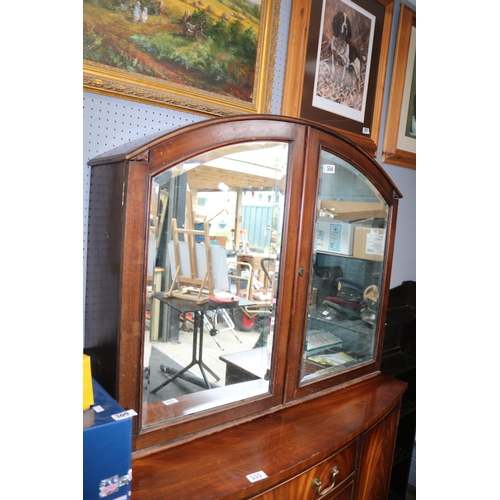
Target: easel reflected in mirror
point(192, 264)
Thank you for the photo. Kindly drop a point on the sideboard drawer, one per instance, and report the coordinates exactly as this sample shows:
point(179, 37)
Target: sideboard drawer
point(323, 481)
point(341, 493)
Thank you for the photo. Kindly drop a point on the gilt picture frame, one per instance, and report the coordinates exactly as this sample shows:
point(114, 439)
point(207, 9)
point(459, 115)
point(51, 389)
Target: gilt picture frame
point(400, 141)
point(337, 78)
point(209, 57)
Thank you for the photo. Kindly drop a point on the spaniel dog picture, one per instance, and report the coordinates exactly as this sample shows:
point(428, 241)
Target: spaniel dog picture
point(343, 62)
point(345, 56)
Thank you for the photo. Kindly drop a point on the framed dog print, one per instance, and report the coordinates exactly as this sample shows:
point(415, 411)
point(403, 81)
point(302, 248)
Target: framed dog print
point(400, 141)
point(210, 57)
point(336, 65)
point(343, 65)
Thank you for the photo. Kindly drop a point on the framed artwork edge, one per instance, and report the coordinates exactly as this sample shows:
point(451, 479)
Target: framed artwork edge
point(390, 152)
point(113, 82)
point(295, 65)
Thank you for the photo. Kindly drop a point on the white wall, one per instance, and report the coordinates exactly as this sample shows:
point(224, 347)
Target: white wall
point(404, 263)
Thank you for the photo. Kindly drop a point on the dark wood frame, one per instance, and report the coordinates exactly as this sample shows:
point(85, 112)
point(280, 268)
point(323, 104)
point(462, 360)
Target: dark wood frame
point(114, 335)
point(124, 84)
point(391, 153)
point(302, 45)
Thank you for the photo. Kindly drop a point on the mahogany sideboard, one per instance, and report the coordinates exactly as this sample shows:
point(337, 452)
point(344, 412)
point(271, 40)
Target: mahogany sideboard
point(352, 429)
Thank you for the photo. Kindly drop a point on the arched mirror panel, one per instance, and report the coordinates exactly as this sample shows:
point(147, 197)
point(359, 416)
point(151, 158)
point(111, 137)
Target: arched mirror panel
point(346, 270)
point(216, 224)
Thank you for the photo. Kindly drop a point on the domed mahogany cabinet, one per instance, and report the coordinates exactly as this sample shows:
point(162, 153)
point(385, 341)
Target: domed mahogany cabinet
point(236, 292)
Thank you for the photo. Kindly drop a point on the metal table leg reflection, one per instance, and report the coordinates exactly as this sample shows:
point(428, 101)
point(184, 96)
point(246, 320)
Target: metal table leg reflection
point(197, 357)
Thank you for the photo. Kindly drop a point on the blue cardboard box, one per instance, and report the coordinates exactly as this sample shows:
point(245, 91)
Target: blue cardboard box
point(107, 448)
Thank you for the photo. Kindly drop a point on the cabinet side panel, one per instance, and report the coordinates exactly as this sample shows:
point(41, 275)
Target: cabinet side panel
point(376, 458)
point(103, 273)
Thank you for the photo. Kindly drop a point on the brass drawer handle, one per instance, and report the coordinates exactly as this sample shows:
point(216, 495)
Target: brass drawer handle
point(318, 484)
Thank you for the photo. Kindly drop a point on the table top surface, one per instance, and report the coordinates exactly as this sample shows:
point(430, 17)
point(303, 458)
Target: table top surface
point(255, 361)
point(186, 305)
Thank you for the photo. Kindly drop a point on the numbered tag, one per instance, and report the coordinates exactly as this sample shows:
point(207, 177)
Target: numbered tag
point(170, 401)
point(256, 476)
point(124, 414)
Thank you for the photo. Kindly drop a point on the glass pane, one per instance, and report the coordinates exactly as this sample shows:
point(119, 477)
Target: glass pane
point(214, 245)
point(351, 219)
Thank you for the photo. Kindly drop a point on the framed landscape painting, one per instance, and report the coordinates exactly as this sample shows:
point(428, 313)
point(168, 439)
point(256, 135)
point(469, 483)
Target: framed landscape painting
point(336, 65)
point(211, 57)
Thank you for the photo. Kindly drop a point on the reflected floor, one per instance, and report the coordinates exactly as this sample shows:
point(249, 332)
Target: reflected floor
point(182, 352)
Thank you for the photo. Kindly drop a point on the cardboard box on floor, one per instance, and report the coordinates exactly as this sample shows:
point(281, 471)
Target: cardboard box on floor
point(336, 234)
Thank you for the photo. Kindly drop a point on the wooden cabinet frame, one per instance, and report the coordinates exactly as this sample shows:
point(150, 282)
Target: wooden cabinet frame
point(117, 244)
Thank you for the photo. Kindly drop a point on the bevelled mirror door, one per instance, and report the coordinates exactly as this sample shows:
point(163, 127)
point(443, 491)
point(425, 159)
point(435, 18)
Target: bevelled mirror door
point(213, 262)
point(346, 271)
